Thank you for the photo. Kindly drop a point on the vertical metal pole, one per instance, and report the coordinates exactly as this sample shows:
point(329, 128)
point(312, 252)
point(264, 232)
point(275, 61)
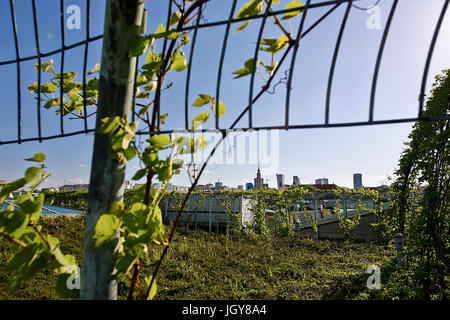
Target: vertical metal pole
point(188, 220)
point(398, 239)
point(196, 215)
point(316, 217)
point(345, 208)
point(122, 21)
point(167, 204)
point(217, 217)
point(209, 220)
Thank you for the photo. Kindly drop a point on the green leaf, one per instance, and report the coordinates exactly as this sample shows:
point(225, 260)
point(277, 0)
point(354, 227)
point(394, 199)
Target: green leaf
point(251, 8)
point(248, 68)
point(141, 80)
point(177, 163)
point(48, 88)
point(27, 265)
point(162, 33)
point(150, 157)
point(271, 68)
point(202, 100)
point(45, 66)
point(200, 119)
point(151, 57)
point(152, 85)
point(116, 141)
point(242, 27)
point(62, 288)
point(38, 157)
point(124, 263)
point(34, 176)
point(19, 259)
point(139, 174)
point(117, 207)
point(178, 61)
point(184, 145)
point(92, 84)
point(31, 173)
point(10, 187)
point(130, 153)
point(110, 124)
point(71, 86)
point(159, 140)
point(31, 206)
point(69, 75)
point(126, 140)
point(142, 94)
point(153, 289)
point(13, 223)
point(154, 223)
point(132, 127)
point(291, 5)
point(96, 69)
point(222, 108)
point(153, 64)
point(53, 103)
point(165, 172)
point(138, 45)
point(106, 227)
point(273, 46)
point(33, 87)
point(174, 18)
point(199, 143)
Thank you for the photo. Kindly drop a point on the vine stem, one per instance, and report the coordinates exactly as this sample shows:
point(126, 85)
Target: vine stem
point(134, 279)
point(152, 127)
point(279, 24)
point(182, 21)
point(17, 241)
point(224, 134)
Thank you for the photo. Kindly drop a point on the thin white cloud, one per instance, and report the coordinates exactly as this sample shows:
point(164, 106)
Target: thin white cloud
point(75, 180)
point(82, 165)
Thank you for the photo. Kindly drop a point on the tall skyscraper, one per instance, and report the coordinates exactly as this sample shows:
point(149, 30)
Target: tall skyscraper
point(296, 181)
point(280, 181)
point(258, 181)
point(357, 181)
point(219, 185)
point(322, 181)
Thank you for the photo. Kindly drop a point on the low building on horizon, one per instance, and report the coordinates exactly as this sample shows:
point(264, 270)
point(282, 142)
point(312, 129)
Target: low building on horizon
point(321, 181)
point(74, 187)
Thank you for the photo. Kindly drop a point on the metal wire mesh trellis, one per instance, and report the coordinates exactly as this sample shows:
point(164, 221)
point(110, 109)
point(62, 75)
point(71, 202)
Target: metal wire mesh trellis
point(195, 26)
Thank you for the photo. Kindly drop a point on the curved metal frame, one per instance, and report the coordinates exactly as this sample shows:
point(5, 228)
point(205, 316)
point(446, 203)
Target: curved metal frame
point(196, 26)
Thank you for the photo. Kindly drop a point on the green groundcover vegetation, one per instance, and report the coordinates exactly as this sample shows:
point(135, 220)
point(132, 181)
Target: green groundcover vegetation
point(215, 266)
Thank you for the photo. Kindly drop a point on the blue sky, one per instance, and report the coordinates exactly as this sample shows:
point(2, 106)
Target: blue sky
point(335, 153)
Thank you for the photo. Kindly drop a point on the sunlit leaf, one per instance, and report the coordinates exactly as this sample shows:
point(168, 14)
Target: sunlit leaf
point(242, 27)
point(96, 69)
point(200, 119)
point(38, 157)
point(249, 68)
point(221, 108)
point(202, 100)
point(291, 5)
point(106, 227)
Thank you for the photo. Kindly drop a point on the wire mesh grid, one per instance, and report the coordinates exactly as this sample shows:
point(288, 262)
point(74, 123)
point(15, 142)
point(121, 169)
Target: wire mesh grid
point(196, 25)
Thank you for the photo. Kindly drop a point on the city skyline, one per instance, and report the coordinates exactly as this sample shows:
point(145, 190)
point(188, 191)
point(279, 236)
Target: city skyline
point(218, 185)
